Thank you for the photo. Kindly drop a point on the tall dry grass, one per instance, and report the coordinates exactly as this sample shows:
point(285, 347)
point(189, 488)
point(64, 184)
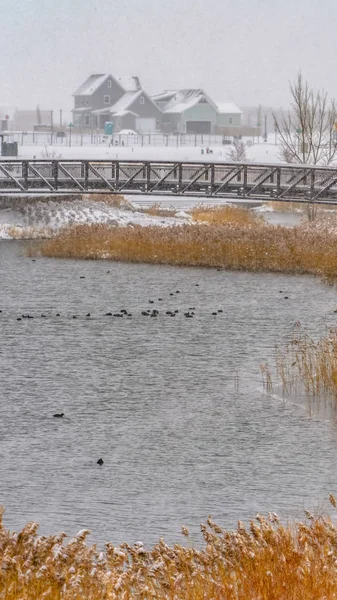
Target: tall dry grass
point(263, 561)
point(113, 200)
point(221, 215)
point(156, 210)
point(305, 364)
point(246, 247)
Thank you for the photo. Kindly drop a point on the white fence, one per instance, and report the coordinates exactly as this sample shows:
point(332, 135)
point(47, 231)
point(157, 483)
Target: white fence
point(72, 138)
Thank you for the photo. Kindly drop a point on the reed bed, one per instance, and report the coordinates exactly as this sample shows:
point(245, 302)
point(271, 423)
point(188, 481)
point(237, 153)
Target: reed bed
point(223, 215)
point(114, 200)
point(307, 365)
point(245, 247)
point(264, 560)
point(156, 210)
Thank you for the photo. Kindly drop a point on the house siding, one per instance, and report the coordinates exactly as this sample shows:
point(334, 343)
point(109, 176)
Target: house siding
point(228, 120)
point(126, 122)
point(96, 101)
point(147, 110)
point(199, 112)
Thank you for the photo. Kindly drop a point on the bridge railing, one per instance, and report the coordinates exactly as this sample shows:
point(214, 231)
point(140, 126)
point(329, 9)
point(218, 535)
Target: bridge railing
point(222, 180)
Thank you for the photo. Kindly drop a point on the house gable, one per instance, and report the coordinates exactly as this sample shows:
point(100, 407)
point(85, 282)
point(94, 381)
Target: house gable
point(144, 107)
point(98, 91)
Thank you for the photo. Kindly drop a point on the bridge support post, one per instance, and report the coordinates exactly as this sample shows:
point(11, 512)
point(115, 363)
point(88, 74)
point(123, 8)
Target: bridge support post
point(278, 181)
point(245, 179)
point(25, 173)
point(180, 170)
point(54, 170)
point(86, 175)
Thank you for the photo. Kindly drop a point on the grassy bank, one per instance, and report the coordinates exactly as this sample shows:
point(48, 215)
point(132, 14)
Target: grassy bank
point(239, 246)
point(263, 561)
point(308, 365)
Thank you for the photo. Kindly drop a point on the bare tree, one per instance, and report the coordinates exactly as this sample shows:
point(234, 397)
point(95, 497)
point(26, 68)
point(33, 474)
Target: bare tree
point(237, 152)
point(307, 132)
point(50, 154)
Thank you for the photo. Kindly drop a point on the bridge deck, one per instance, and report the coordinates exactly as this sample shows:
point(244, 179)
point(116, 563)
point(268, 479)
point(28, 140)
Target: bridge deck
point(215, 180)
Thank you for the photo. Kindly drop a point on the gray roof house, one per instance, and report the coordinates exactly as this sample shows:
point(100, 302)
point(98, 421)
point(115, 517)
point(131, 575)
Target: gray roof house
point(121, 100)
point(187, 111)
point(193, 111)
point(228, 117)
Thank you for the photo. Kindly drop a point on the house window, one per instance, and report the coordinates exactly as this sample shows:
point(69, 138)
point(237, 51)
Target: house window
point(87, 102)
point(109, 83)
point(86, 119)
point(230, 120)
point(106, 99)
point(82, 102)
point(142, 100)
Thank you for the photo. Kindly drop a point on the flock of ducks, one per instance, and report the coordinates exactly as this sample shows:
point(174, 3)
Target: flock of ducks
point(189, 314)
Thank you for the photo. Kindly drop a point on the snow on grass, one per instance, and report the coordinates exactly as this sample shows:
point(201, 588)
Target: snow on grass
point(43, 218)
point(262, 152)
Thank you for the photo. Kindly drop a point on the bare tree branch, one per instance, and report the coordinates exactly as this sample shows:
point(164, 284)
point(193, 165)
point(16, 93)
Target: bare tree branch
point(238, 151)
point(307, 132)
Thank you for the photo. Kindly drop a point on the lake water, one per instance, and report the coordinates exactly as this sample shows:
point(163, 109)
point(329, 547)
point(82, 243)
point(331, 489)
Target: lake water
point(156, 398)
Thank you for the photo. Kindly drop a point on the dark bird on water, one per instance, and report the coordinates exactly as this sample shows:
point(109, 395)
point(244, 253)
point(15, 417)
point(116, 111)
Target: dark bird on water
point(59, 415)
point(100, 461)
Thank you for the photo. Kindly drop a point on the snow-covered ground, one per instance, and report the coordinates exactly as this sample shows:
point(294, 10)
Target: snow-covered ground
point(40, 218)
point(262, 152)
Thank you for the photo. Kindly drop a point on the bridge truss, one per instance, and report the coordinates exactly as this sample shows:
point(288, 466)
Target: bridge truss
point(300, 183)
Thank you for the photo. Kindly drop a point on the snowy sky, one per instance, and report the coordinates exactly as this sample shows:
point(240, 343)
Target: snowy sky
point(237, 50)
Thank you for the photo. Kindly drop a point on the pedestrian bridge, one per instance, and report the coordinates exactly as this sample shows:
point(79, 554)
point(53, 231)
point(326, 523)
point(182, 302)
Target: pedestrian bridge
point(251, 181)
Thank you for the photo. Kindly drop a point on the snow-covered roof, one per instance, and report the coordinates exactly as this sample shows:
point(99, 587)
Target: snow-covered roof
point(185, 99)
point(164, 95)
point(123, 113)
point(125, 102)
point(101, 111)
point(91, 84)
point(228, 108)
point(82, 109)
point(129, 83)
point(182, 106)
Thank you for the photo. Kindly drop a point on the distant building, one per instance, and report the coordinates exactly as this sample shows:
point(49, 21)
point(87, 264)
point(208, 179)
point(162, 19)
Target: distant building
point(121, 100)
point(193, 111)
point(187, 111)
point(28, 120)
point(228, 116)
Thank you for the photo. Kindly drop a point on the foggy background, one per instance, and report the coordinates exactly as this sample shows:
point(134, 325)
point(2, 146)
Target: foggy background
point(243, 51)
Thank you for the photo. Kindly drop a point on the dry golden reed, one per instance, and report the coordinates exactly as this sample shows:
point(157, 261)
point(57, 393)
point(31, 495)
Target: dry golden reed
point(114, 200)
point(223, 215)
point(265, 560)
point(305, 364)
point(156, 210)
point(253, 246)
